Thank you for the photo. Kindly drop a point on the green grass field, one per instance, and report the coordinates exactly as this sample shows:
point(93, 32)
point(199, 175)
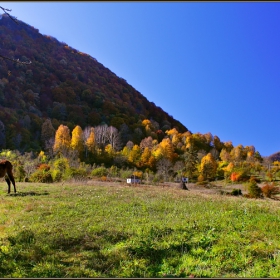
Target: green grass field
point(75, 230)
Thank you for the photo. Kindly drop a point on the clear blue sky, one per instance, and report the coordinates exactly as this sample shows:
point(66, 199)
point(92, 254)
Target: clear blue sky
point(214, 66)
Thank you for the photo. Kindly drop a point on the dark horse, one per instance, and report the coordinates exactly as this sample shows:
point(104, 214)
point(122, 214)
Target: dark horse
point(6, 168)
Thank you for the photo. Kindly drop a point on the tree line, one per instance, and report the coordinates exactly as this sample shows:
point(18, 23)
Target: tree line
point(102, 151)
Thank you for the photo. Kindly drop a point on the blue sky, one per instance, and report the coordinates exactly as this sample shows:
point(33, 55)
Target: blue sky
point(214, 66)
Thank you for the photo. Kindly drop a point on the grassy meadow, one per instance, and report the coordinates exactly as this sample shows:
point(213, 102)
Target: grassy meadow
point(91, 230)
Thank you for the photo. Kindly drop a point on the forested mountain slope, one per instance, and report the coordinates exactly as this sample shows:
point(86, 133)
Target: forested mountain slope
point(65, 85)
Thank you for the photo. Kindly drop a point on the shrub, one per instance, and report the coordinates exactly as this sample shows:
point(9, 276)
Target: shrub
point(99, 172)
point(19, 173)
point(77, 173)
point(200, 178)
point(254, 190)
point(236, 192)
point(239, 176)
point(103, 178)
point(253, 178)
point(124, 174)
point(269, 190)
point(61, 164)
point(44, 167)
point(56, 175)
point(234, 176)
point(41, 176)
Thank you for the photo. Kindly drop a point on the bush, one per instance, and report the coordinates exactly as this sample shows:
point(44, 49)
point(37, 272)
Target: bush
point(44, 167)
point(239, 176)
point(61, 164)
point(200, 178)
point(124, 174)
point(236, 192)
point(41, 176)
point(269, 190)
point(254, 190)
point(99, 172)
point(77, 173)
point(253, 178)
point(56, 175)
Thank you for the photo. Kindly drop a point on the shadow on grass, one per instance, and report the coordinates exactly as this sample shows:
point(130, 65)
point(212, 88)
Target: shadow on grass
point(29, 193)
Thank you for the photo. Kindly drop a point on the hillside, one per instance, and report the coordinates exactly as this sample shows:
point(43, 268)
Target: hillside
point(65, 85)
point(274, 157)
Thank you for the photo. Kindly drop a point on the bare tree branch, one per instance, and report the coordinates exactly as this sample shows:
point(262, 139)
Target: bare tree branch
point(8, 10)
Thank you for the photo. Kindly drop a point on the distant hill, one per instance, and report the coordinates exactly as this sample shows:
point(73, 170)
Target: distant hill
point(65, 85)
point(274, 157)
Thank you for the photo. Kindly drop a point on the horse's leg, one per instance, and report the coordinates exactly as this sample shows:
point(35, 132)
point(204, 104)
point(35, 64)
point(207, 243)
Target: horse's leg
point(11, 177)
point(9, 184)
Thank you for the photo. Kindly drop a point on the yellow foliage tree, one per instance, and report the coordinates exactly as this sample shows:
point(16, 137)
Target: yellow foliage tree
point(144, 160)
point(134, 154)
point(190, 142)
point(148, 126)
point(146, 123)
point(167, 149)
point(62, 139)
point(125, 151)
point(175, 137)
point(208, 166)
point(90, 142)
point(109, 150)
point(77, 139)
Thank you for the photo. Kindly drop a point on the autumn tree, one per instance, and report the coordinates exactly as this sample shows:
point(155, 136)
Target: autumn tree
point(147, 160)
point(250, 152)
point(218, 145)
point(209, 139)
point(77, 141)
point(134, 154)
point(238, 154)
point(110, 152)
point(174, 135)
point(165, 149)
point(89, 141)
point(191, 161)
point(164, 168)
point(208, 166)
point(225, 155)
point(62, 140)
point(113, 138)
point(146, 143)
point(47, 132)
point(228, 146)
